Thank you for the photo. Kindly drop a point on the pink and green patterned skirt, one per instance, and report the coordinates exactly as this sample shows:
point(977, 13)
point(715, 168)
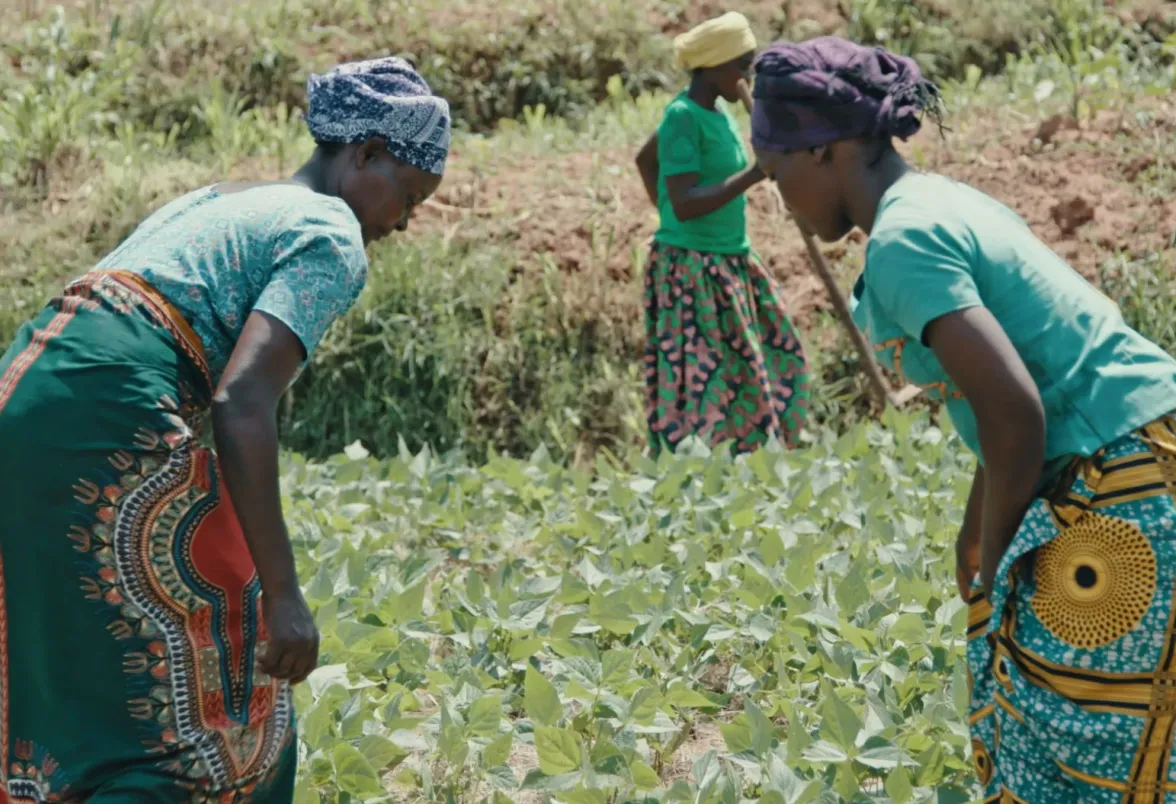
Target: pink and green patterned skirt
point(722, 359)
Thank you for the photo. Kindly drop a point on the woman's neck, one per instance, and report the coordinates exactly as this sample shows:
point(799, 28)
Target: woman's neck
point(702, 94)
point(315, 174)
point(873, 183)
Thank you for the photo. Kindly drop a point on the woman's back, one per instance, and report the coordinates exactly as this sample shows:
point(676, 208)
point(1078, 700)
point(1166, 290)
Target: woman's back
point(217, 255)
point(940, 246)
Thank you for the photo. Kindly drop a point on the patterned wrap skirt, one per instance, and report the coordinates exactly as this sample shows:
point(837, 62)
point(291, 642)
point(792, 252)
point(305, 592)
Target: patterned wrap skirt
point(130, 618)
point(1073, 664)
point(722, 359)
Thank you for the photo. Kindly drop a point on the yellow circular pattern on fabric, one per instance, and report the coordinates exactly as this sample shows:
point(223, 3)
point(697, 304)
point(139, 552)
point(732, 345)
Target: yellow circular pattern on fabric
point(983, 762)
point(1095, 581)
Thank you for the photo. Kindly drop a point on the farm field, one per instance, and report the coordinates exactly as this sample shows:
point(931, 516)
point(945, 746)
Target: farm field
point(516, 604)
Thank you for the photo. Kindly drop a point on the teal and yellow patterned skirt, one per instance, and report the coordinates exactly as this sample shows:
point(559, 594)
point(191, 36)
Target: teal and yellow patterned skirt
point(1074, 681)
point(722, 359)
point(130, 621)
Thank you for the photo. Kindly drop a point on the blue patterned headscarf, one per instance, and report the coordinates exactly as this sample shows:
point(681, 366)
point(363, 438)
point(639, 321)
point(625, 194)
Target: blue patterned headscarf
point(381, 98)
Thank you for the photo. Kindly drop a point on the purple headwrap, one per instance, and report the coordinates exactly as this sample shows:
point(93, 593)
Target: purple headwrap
point(827, 89)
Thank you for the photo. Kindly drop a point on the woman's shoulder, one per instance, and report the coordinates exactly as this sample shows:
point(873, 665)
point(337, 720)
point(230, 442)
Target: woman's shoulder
point(293, 209)
point(680, 109)
point(934, 205)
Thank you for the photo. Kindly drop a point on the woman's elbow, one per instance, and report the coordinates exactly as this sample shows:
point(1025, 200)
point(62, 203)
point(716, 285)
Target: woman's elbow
point(240, 404)
point(1030, 409)
point(1019, 411)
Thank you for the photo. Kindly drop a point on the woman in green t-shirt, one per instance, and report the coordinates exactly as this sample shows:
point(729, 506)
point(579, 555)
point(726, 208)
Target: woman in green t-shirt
point(1067, 552)
point(722, 359)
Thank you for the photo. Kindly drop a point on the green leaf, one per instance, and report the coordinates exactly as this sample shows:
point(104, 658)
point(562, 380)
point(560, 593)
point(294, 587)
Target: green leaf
point(761, 729)
point(318, 725)
point(559, 750)
point(502, 777)
point(644, 776)
point(610, 612)
point(884, 757)
point(783, 779)
point(737, 734)
point(772, 548)
point(909, 629)
point(616, 665)
point(485, 716)
point(852, 592)
point(353, 772)
point(801, 567)
point(687, 698)
point(583, 796)
point(898, 786)
point(409, 604)
point(453, 744)
point(540, 699)
point(823, 752)
point(382, 753)
point(498, 751)
point(960, 694)
point(841, 724)
point(524, 649)
point(563, 625)
point(305, 794)
point(645, 706)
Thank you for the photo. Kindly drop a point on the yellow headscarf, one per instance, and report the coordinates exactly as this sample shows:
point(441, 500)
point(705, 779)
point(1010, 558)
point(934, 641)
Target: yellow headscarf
point(715, 42)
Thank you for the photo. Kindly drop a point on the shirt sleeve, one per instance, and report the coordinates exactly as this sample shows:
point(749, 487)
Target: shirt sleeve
point(679, 146)
point(319, 271)
point(918, 274)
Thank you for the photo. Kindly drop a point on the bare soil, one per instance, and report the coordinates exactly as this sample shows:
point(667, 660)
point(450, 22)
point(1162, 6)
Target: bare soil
point(1088, 191)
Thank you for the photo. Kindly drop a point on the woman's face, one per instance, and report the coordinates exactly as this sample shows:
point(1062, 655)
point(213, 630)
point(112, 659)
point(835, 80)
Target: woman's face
point(726, 77)
point(381, 190)
point(811, 189)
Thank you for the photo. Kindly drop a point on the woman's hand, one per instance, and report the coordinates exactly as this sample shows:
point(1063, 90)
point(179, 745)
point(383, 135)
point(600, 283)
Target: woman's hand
point(292, 652)
point(691, 200)
point(995, 539)
point(968, 540)
point(244, 424)
point(967, 563)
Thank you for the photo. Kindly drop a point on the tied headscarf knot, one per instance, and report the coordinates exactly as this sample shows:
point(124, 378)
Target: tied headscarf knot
point(817, 92)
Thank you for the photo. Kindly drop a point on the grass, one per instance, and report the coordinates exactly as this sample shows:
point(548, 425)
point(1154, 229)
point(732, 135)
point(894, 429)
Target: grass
point(511, 318)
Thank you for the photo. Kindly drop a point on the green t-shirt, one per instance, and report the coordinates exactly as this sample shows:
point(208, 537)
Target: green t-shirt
point(939, 246)
point(692, 139)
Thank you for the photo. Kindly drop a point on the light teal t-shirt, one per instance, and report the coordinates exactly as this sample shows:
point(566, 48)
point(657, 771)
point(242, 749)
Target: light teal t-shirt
point(282, 249)
point(939, 246)
point(692, 139)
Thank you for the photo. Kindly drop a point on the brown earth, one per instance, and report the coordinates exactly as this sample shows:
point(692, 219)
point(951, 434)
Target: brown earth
point(1081, 189)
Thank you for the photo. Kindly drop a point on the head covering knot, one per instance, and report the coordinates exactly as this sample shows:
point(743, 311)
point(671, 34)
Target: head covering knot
point(381, 98)
point(714, 42)
point(827, 89)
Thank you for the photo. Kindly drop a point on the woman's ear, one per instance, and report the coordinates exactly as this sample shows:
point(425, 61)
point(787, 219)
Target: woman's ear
point(369, 150)
point(822, 154)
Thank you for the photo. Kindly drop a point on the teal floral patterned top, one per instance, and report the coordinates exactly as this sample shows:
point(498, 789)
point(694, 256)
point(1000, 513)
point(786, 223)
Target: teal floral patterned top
point(282, 249)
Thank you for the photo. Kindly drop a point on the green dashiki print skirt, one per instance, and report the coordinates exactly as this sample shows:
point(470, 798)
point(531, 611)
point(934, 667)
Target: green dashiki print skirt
point(722, 359)
point(1073, 663)
point(130, 619)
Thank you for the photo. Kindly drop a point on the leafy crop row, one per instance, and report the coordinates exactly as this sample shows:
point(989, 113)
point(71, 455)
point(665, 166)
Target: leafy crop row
point(525, 629)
